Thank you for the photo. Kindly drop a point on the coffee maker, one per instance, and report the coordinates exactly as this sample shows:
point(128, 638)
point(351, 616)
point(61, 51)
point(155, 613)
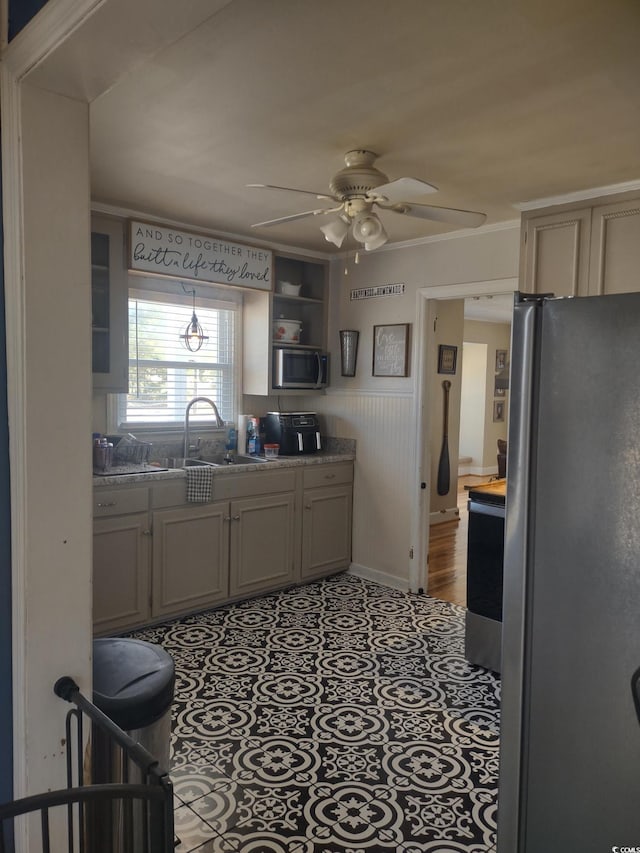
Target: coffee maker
point(295, 432)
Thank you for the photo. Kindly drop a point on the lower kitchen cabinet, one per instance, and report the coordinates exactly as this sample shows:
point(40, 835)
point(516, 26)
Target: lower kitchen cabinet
point(326, 521)
point(190, 558)
point(262, 544)
point(121, 547)
point(156, 556)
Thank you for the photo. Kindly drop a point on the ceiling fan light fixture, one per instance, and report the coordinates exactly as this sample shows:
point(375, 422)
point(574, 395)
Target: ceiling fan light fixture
point(335, 231)
point(376, 242)
point(368, 229)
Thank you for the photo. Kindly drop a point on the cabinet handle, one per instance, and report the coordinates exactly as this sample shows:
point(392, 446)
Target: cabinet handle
point(226, 518)
point(236, 518)
point(329, 476)
point(111, 503)
point(146, 533)
point(307, 506)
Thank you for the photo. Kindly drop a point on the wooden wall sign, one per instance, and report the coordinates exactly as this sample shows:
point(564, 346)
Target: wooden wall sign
point(160, 250)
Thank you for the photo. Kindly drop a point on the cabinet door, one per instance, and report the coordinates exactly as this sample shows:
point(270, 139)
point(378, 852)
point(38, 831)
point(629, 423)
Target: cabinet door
point(262, 537)
point(326, 530)
point(109, 306)
point(615, 248)
point(556, 253)
point(120, 572)
point(190, 558)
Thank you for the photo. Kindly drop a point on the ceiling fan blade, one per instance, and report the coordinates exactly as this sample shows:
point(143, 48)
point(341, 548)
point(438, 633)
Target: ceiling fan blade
point(293, 190)
point(466, 218)
point(402, 189)
point(292, 217)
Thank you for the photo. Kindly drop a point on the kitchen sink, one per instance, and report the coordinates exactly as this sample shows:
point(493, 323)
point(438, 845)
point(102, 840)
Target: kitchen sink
point(219, 460)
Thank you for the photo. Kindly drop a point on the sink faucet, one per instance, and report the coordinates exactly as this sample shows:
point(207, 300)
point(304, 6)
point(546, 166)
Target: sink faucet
point(219, 421)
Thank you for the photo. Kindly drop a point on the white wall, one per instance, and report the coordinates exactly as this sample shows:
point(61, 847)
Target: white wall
point(497, 336)
point(379, 412)
point(473, 403)
point(55, 511)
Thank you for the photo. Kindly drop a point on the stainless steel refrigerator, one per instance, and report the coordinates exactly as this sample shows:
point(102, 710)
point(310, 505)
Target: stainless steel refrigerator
point(570, 738)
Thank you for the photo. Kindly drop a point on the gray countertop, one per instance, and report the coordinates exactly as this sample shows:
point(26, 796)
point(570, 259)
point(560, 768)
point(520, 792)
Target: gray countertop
point(320, 458)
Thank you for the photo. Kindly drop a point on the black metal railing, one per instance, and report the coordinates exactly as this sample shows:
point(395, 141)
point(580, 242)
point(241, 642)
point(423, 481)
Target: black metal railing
point(130, 814)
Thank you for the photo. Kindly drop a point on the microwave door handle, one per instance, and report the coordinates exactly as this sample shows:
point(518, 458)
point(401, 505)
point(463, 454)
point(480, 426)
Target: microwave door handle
point(318, 442)
point(300, 444)
point(319, 360)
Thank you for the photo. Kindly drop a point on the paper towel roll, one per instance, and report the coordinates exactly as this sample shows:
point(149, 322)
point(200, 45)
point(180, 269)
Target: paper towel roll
point(242, 434)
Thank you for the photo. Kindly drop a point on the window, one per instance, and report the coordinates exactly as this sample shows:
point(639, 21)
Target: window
point(163, 374)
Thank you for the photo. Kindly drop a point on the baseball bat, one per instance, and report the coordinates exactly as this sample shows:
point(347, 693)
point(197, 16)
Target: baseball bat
point(443, 464)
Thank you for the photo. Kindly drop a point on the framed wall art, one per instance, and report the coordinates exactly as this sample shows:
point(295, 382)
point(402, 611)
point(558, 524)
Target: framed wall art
point(498, 411)
point(501, 359)
point(391, 350)
point(447, 358)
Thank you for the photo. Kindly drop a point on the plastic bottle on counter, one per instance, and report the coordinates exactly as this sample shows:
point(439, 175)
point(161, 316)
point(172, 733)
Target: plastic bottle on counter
point(231, 446)
point(252, 437)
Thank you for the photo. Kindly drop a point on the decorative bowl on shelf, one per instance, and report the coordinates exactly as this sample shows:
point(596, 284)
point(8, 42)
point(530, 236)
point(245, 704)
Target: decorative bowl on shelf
point(287, 331)
point(286, 288)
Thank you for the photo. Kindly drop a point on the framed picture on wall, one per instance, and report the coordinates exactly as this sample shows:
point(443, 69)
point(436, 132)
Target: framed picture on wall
point(501, 359)
point(391, 350)
point(498, 392)
point(447, 358)
point(498, 411)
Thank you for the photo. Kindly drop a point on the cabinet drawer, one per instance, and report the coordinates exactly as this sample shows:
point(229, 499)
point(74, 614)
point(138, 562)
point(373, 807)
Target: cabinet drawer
point(327, 475)
point(261, 483)
point(169, 494)
point(119, 501)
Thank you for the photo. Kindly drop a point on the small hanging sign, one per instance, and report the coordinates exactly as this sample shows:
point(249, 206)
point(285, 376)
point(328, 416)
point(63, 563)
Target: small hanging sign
point(160, 250)
point(379, 290)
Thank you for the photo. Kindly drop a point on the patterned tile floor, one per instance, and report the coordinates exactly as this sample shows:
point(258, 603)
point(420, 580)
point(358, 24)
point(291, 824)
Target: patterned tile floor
point(337, 717)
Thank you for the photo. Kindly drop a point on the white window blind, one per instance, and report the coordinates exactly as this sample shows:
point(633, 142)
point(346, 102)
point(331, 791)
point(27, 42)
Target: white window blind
point(163, 374)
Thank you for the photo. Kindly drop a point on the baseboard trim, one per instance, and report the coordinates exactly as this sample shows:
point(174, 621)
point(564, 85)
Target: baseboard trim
point(378, 577)
point(451, 514)
point(477, 470)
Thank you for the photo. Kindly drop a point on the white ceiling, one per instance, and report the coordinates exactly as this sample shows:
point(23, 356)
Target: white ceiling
point(496, 102)
point(490, 309)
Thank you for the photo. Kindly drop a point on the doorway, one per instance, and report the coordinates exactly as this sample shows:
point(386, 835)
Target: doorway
point(424, 403)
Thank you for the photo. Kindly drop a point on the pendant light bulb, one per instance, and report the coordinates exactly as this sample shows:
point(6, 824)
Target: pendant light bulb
point(368, 230)
point(194, 336)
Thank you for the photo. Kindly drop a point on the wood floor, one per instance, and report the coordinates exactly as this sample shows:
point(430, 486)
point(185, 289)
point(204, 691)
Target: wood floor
point(448, 551)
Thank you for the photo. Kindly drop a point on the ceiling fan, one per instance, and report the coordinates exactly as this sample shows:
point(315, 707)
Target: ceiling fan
point(357, 189)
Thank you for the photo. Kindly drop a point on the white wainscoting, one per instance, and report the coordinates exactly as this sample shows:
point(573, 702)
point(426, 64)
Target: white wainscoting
point(385, 476)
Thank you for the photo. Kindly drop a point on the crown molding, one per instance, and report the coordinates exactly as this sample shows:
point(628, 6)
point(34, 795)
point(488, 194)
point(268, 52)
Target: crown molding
point(130, 213)
point(462, 233)
point(54, 23)
point(579, 195)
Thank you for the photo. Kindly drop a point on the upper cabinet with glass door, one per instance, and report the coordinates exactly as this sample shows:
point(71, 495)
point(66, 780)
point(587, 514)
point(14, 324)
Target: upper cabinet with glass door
point(108, 305)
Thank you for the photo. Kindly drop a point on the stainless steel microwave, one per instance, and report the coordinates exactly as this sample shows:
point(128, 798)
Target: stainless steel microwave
point(300, 368)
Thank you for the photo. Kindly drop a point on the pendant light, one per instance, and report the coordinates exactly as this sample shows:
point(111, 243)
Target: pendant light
point(193, 336)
